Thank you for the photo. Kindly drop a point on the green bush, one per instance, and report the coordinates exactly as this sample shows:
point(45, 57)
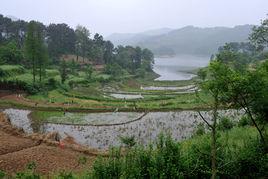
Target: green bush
point(128, 141)
point(11, 70)
point(65, 175)
point(52, 83)
point(2, 174)
point(200, 130)
point(244, 121)
point(238, 155)
point(225, 124)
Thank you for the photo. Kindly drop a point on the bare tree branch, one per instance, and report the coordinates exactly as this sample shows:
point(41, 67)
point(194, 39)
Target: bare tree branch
point(209, 125)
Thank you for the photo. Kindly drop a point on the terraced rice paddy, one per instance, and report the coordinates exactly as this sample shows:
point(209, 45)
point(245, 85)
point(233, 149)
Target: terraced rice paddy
point(102, 130)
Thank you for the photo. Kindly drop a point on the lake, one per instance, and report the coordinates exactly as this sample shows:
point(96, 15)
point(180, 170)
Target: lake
point(178, 67)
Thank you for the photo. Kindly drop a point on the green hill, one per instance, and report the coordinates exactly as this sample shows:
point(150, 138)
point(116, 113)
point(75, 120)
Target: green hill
point(187, 40)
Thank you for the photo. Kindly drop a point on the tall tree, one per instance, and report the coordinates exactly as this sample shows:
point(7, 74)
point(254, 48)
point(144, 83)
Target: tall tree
point(10, 53)
point(41, 52)
point(137, 58)
point(108, 52)
point(213, 86)
point(63, 71)
point(61, 40)
point(35, 49)
point(82, 41)
point(147, 59)
point(30, 46)
point(259, 35)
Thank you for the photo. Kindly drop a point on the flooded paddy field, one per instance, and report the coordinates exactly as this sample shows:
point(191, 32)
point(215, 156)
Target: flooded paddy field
point(103, 130)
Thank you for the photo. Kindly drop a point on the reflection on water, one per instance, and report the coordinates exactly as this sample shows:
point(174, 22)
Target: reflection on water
point(178, 67)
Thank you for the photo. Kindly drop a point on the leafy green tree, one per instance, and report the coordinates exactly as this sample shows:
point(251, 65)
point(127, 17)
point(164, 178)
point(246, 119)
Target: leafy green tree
point(147, 59)
point(89, 71)
point(82, 41)
point(259, 35)
point(217, 72)
point(30, 47)
point(137, 58)
point(108, 52)
point(41, 53)
point(63, 71)
point(35, 49)
point(61, 40)
point(10, 54)
point(113, 69)
point(249, 91)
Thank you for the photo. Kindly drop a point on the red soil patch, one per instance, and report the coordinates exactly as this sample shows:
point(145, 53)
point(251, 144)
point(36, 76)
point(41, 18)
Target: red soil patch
point(11, 143)
point(48, 159)
point(18, 149)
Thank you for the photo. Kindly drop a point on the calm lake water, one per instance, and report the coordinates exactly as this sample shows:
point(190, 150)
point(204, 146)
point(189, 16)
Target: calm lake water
point(178, 67)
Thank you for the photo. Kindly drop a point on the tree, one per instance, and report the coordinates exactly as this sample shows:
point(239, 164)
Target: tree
point(113, 69)
point(35, 49)
point(82, 41)
point(10, 54)
point(30, 46)
point(41, 53)
point(259, 35)
point(236, 55)
point(213, 86)
point(98, 49)
point(63, 71)
point(147, 59)
point(108, 52)
point(89, 71)
point(61, 40)
point(137, 58)
point(248, 90)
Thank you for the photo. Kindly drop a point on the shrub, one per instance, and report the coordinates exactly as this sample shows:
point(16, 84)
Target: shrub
point(108, 168)
point(65, 175)
point(128, 141)
point(200, 130)
point(2, 174)
point(140, 72)
point(244, 121)
point(52, 83)
point(113, 69)
point(225, 124)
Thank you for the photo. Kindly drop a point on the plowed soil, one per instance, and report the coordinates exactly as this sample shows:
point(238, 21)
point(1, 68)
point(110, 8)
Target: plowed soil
point(17, 150)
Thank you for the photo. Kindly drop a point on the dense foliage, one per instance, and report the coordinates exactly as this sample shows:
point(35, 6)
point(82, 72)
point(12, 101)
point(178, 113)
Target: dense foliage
point(37, 47)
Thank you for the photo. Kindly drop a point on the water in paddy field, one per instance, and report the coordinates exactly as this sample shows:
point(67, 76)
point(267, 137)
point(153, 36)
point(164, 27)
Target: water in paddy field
point(179, 124)
point(178, 67)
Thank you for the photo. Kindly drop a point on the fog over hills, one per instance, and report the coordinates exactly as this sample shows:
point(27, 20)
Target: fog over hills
point(186, 40)
point(135, 38)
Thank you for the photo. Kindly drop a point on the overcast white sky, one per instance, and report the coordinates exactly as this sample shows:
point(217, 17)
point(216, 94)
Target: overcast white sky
point(109, 16)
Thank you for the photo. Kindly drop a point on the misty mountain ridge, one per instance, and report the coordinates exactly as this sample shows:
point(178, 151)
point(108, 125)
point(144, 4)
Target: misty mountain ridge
point(186, 40)
point(134, 38)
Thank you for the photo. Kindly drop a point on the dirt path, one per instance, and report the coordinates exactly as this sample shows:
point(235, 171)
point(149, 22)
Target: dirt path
point(17, 150)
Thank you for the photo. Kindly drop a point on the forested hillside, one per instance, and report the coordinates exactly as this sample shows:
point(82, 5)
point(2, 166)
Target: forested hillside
point(187, 40)
point(40, 49)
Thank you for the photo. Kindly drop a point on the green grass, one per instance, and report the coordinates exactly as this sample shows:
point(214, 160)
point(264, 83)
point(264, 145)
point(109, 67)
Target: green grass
point(57, 117)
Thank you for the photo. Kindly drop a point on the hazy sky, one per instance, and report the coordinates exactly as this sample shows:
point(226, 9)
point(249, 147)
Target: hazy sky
point(108, 16)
